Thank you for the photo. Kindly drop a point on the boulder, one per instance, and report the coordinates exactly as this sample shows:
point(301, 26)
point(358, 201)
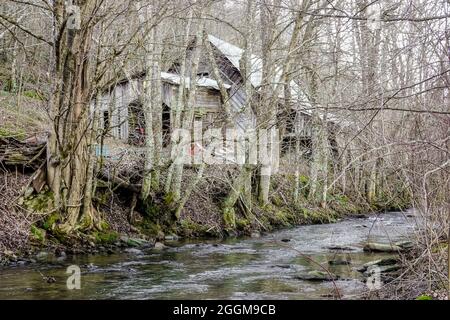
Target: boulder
point(62, 256)
point(41, 256)
point(10, 254)
point(159, 246)
point(171, 237)
point(124, 238)
point(133, 251)
point(255, 234)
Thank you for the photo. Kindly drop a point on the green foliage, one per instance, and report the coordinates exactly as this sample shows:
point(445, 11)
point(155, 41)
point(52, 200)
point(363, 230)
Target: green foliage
point(282, 218)
point(229, 218)
point(339, 198)
point(33, 94)
point(6, 132)
point(38, 233)
point(304, 185)
point(424, 297)
point(40, 203)
point(242, 223)
point(169, 199)
point(441, 247)
point(150, 227)
point(152, 210)
point(106, 237)
point(189, 228)
point(51, 221)
point(277, 200)
point(104, 225)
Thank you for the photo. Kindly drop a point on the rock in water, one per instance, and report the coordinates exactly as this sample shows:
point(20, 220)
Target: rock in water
point(172, 237)
point(41, 256)
point(339, 262)
point(50, 279)
point(381, 269)
point(381, 247)
point(283, 266)
point(380, 262)
point(316, 275)
point(136, 242)
point(405, 245)
point(133, 251)
point(159, 246)
point(124, 238)
point(339, 248)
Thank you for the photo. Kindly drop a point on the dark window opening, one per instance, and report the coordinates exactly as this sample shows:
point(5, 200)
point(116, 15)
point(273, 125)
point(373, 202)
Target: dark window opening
point(106, 120)
point(166, 130)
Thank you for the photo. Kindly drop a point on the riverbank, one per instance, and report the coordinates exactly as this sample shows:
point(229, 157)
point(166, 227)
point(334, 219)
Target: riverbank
point(272, 266)
point(28, 221)
point(413, 279)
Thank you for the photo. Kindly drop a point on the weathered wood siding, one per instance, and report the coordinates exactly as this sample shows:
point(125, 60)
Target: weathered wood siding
point(116, 103)
point(208, 100)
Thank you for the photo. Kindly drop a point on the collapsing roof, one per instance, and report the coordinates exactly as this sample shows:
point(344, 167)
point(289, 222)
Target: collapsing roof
point(200, 82)
point(234, 55)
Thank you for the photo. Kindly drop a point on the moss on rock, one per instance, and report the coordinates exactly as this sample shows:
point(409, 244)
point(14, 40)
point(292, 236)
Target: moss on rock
point(106, 237)
point(40, 203)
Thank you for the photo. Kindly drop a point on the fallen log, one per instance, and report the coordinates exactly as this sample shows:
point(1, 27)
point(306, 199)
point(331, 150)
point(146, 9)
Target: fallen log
point(116, 182)
point(382, 247)
point(28, 153)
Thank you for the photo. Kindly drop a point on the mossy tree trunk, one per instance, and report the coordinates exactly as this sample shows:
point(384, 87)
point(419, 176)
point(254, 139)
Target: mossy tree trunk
point(68, 147)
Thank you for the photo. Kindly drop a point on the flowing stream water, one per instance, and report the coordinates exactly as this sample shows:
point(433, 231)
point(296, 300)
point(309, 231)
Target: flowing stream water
point(243, 268)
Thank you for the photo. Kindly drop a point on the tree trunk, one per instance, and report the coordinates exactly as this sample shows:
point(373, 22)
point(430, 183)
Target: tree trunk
point(157, 108)
point(68, 160)
point(148, 106)
point(188, 118)
point(266, 113)
point(180, 103)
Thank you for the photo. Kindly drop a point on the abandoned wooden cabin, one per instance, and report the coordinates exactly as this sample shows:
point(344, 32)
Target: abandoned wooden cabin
point(121, 107)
